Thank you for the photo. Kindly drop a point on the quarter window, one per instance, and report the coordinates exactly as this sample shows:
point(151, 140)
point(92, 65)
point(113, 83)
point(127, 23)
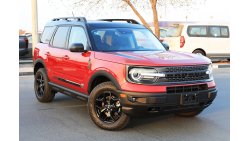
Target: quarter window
point(224, 32)
point(47, 34)
point(60, 37)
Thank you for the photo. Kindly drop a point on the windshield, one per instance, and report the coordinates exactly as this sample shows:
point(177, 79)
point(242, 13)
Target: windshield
point(125, 39)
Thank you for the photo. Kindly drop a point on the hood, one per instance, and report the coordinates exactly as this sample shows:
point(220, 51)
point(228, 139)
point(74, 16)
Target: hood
point(153, 58)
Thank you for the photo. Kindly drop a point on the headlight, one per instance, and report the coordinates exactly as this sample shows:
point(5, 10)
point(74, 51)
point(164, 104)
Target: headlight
point(210, 70)
point(144, 75)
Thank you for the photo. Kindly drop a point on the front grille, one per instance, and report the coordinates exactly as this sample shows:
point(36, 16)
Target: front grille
point(184, 73)
point(184, 89)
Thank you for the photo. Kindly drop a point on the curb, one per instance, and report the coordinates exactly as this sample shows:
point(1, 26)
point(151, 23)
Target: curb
point(25, 73)
point(220, 66)
point(25, 61)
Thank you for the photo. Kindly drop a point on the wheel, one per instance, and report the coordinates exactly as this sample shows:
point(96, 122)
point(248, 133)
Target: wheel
point(189, 114)
point(199, 52)
point(105, 109)
point(42, 89)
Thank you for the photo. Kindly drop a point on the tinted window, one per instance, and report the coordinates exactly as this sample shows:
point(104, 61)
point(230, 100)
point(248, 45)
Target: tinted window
point(47, 34)
point(163, 33)
point(173, 31)
point(219, 31)
point(197, 31)
point(215, 31)
point(77, 35)
point(224, 31)
point(60, 37)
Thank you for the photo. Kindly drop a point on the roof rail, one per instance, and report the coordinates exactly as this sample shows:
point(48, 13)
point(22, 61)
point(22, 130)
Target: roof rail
point(127, 20)
point(70, 19)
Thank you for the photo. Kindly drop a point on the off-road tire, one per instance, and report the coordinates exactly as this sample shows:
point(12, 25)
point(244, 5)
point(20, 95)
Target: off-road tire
point(48, 94)
point(99, 90)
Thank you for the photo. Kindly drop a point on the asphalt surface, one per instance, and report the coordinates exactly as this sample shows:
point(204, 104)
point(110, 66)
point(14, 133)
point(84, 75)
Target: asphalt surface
point(67, 119)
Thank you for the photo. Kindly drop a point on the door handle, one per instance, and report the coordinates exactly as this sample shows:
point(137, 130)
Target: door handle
point(66, 57)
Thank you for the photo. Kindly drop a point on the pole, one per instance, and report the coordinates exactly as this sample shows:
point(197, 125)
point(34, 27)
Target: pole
point(34, 25)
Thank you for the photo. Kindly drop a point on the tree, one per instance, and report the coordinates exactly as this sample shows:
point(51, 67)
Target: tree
point(94, 5)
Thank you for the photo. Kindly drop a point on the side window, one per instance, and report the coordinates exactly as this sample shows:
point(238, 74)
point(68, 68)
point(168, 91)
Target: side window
point(60, 37)
point(197, 31)
point(47, 34)
point(163, 33)
point(219, 31)
point(224, 31)
point(215, 31)
point(77, 35)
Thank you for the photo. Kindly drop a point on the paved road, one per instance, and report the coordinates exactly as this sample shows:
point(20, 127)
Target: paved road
point(66, 119)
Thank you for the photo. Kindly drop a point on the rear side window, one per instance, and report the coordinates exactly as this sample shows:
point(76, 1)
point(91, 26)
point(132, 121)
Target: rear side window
point(174, 31)
point(163, 33)
point(47, 34)
point(60, 37)
point(219, 31)
point(197, 31)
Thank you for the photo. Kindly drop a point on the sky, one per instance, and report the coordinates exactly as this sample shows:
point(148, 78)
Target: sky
point(213, 10)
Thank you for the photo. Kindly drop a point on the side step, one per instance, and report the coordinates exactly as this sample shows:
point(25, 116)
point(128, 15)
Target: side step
point(68, 92)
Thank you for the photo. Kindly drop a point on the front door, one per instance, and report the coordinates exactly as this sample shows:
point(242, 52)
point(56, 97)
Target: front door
point(75, 64)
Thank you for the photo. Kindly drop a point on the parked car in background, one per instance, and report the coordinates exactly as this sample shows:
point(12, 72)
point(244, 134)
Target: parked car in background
point(26, 51)
point(23, 45)
point(211, 40)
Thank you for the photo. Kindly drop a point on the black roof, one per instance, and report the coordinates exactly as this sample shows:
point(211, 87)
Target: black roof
point(102, 23)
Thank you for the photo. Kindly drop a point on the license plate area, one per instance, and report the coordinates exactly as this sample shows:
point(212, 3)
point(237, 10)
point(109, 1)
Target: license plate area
point(189, 99)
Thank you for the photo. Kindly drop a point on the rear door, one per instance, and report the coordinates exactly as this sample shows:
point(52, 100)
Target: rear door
point(218, 42)
point(57, 52)
point(196, 38)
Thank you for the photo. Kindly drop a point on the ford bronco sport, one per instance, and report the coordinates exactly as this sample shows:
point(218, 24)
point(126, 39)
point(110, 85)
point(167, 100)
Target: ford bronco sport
point(121, 68)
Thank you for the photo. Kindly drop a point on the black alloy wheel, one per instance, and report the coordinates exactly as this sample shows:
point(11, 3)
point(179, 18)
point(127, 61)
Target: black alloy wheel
point(40, 85)
point(105, 108)
point(43, 91)
point(108, 107)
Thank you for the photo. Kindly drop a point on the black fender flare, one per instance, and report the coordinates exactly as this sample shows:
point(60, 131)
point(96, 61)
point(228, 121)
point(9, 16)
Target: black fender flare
point(39, 61)
point(105, 74)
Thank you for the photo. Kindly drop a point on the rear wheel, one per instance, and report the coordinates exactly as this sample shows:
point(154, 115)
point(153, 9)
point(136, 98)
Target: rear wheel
point(199, 52)
point(42, 89)
point(189, 114)
point(105, 109)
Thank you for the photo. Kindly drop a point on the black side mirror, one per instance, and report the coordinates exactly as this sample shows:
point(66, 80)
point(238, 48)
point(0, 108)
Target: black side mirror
point(166, 46)
point(77, 47)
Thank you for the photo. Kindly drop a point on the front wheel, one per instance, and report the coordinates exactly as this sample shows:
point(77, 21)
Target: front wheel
point(105, 109)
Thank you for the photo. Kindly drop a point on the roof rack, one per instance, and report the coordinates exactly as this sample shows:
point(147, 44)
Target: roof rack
point(127, 20)
point(70, 19)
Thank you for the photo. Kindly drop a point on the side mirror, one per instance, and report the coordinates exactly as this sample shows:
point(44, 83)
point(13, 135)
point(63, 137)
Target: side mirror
point(77, 47)
point(166, 46)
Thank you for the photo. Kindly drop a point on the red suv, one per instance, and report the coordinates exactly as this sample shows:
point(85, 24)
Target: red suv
point(121, 68)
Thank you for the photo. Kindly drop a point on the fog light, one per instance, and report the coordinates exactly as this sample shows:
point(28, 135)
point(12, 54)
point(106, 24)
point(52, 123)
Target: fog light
point(137, 99)
point(132, 99)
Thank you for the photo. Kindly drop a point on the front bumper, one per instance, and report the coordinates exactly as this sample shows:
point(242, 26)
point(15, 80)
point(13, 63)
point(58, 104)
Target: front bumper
point(136, 104)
